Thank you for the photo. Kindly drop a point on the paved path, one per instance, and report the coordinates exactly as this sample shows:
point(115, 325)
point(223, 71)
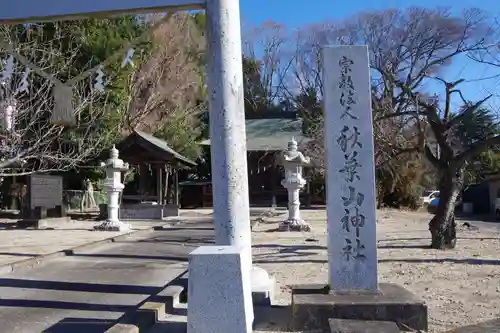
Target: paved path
point(19, 244)
point(89, 291)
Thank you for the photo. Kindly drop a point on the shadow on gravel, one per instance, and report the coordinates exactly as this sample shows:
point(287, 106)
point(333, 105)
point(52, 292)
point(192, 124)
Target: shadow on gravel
point(187, 228)
point(470, 261)
point(289, 248)
point(290, 261)
point(179, 239)
point(404, 246)
point(289, 253)
point(467, 261)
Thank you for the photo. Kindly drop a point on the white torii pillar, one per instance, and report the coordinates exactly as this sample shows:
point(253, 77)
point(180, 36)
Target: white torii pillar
point(226, 102)
point(228, 137)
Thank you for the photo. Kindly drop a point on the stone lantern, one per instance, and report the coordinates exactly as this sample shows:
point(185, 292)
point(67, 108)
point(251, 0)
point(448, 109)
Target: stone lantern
point(293, 161)
point(114, 186)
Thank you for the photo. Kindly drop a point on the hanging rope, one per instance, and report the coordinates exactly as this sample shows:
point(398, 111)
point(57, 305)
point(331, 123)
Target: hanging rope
point(63, 112)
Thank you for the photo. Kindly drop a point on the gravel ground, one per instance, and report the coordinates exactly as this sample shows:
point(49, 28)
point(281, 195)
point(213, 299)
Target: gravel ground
point(460, 286)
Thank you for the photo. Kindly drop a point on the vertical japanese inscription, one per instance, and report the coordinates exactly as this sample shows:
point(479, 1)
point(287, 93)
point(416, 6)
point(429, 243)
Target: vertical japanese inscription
point(353, 219)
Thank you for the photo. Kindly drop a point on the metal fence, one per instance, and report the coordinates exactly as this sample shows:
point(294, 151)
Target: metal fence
point(73, 199)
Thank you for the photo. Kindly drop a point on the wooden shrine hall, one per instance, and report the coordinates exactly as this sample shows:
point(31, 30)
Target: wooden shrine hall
point(267, 136)
point(153, 191)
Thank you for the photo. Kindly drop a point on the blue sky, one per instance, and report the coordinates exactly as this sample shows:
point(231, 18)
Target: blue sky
point(296, 13)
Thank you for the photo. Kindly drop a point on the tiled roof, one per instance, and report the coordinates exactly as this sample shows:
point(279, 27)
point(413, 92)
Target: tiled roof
point(164, 146)
point(271, 134)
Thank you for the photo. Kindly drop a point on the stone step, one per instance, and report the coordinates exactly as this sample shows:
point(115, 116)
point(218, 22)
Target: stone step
point(171, 324)
point(161, 308)
point(362, 326)
point(175, 319)
point(170, 296)
point(165, 304)
point(178, 324)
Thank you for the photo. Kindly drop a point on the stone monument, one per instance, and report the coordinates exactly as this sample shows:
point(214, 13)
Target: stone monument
point(353, 291)
point(44, 207)
point(113, 186)
point(293, 161)
point(45, 191)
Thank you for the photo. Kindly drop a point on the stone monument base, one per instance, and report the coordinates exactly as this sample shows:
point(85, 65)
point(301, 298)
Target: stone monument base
point(112, 226)
point(43, 223)
point(294, 225)
point(314, 305)
point(262, 286)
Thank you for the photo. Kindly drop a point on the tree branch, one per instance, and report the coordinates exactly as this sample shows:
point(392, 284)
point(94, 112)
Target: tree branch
point(478, 148)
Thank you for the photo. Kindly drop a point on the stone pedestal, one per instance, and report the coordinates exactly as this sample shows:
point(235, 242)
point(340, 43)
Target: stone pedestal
point(112, 222)
point(113, 226)
point(113, 186)
point(314, 305)
point(43, 218)
point(293, 161)
point(219, 292)
point(43, 223)
point(294, 222)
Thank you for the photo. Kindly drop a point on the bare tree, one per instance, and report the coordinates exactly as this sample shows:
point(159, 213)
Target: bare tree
point(31, 70)
point(265, 65)
point(461, 134)
point(409, 49)
point(168, 84)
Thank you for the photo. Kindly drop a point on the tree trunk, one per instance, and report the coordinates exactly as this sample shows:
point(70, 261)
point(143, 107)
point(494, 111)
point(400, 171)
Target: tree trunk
point(443, 226)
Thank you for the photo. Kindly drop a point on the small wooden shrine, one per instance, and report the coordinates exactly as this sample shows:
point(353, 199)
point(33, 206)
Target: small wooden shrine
point(155, 175)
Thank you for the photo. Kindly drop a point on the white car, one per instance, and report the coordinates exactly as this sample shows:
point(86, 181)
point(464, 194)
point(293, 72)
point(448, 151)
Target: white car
point(429, 196)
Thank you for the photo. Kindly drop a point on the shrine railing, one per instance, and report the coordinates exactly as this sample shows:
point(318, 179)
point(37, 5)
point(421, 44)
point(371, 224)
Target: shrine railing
point(73, 199)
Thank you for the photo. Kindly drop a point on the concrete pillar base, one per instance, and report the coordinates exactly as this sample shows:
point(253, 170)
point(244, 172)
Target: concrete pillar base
point(262, 286)
point(112, 226)
point(294, 225)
